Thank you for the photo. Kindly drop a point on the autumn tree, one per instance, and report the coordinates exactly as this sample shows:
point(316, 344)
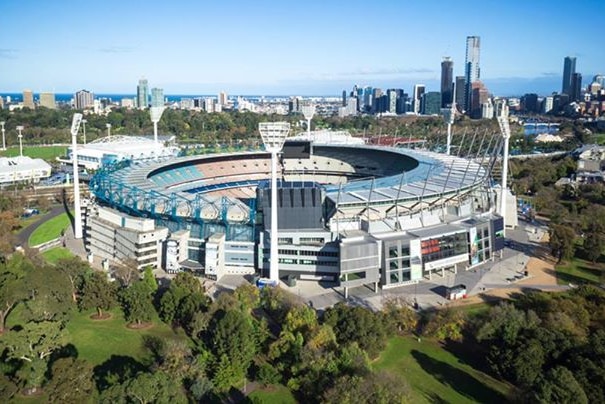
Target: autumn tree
point(71, 381)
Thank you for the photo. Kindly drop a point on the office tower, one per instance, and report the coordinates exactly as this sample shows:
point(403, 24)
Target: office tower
point(392, 101)
point(377, 106)
point(157, 97)
point(460, 88)
point(222, 98)
point(47, 100)
point(575, 90)
point(143, 94)
point(547, 104)
point(471, 69)
point(529, 103)
point(431, 103)
point(569, 68)
point(479, 96)
point(402, 102)
point(209, 105)
point(360, 99)
point(417, 98)
point(447, 78)
point(28, 99)
point(368, 98)
point(84, 99)
point(344, 98)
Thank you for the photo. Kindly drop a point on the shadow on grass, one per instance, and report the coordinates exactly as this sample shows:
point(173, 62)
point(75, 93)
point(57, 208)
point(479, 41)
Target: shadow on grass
point(458, 380)
point(563, 275)
point(116, 369)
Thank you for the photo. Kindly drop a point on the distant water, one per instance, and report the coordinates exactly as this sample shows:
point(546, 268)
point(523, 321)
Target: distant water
point(66, 97)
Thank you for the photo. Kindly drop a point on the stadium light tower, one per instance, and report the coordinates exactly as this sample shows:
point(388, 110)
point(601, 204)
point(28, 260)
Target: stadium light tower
point(108, 126)
point(156, 114)
point(274, 135)
point(20, 136)
point(448, 117)
point(505, 131)
point(75, 127)
point(3, 136)
point(308, 112)
point(84, 121)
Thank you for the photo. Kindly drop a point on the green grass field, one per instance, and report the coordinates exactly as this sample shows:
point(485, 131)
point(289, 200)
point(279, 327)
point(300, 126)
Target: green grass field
point(273, 395)
point(98, 340)
point(49, 230)
point(578, 271)
point(436, 375)
point(49, 153)
point(55, 254)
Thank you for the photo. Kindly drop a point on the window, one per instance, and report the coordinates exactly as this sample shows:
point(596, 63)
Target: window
point(393, 253)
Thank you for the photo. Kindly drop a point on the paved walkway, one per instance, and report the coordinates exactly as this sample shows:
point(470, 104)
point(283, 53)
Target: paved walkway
point(24, 235)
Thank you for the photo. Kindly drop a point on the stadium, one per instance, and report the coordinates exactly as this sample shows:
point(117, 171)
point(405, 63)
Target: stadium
point(349, 213)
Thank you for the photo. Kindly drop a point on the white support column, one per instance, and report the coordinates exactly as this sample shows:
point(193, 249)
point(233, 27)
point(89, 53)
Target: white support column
point(505, 130)
point(75, 126)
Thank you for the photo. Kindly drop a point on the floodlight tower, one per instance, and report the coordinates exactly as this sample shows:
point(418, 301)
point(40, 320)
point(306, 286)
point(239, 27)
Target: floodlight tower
point(505, 131)
point(108, 126)
point(308, 112)
point(156, 114)
point(75, 127)
point(84, 121)
point(20, 136)
point(3, 136)
point(274, 134)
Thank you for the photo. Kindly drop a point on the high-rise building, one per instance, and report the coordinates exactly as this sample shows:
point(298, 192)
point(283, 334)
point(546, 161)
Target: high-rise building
point(471, 69)
point(143, 94)
point(480, 95)
point(547, 104)
point(344, 98)
point(417, 98)
point(569, 68)
point(222, 98)
point(392, 101)
point(447, 78)
point(575, 90)
point(84, 99)
point(28, 99)
point(157, 97)
point(431, 103)
point(47, 100)
point(460, 88)
point(368, 98)
point(529, 103)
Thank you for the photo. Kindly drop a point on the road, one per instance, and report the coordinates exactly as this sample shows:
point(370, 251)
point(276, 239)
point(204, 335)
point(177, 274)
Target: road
point(23, 235)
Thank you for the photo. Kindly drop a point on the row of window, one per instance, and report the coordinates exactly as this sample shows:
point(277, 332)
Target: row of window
point(309, 253)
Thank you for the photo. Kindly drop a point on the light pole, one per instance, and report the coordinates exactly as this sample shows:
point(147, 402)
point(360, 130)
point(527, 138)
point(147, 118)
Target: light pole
point(108, 126)
point(84, 129)
point(156, 114)
point(308, 112)
point(505, 130)
point(20, 136)
point(274, 134)
point(75, 126)
point(448, 117)
point(3, 136)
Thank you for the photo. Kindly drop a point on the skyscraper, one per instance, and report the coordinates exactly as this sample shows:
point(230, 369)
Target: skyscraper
point(417, 97)
point(28, 99)
point(575, 89)
point(459, 92)
point(47, 100)
point(157, 97)
point(143, 94)
point(569, 68)
point(222, 98)
point(84, 99)
point(471, 69)
point(447, 77)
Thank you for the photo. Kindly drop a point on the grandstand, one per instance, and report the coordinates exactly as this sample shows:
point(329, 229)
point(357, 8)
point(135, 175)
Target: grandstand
point(349, 213)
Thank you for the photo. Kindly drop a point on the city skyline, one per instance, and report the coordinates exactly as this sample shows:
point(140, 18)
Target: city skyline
point(271, 48)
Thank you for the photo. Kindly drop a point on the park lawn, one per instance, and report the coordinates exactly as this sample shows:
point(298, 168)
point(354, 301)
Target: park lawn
point(48, 153)
point(98, 340)
point(274, 394)
point(49, 230)
point(579, 271)
point(436, 375)
point(55, 254)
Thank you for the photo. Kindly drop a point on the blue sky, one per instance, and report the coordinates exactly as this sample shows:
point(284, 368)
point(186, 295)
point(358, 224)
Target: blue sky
point(301, 47)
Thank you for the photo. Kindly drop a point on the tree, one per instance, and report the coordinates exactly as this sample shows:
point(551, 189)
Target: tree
point(32, 343)
point(594, 243)
point(398, 311)
point(233, 336)
point(75, 270)
point(127, 272)
point(157, 387)
point(558, 385)
point(137, 304)
point(12, 288)
point(49, 294)
point(72, 381)
point(561, 241)
point(97, 293)
point(380, 387)
point(150, 280)
point(445, 324)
